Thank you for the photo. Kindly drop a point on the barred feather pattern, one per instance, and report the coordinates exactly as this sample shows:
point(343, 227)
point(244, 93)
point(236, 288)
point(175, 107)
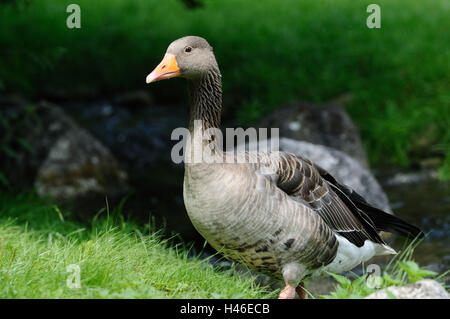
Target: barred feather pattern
point(242, 211)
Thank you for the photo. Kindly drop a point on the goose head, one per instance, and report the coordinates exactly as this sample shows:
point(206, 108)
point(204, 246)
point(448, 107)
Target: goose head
point(189, 57)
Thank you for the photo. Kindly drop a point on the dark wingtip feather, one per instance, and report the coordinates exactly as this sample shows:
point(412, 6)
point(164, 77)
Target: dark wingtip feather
point(382, 220)
point(387, 222)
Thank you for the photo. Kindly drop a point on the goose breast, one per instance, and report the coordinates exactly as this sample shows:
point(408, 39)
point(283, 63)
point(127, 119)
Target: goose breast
point(251, 221)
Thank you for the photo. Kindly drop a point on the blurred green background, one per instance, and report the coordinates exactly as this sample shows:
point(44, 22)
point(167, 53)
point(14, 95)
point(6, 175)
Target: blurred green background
point(395, 81)
point(270, 53)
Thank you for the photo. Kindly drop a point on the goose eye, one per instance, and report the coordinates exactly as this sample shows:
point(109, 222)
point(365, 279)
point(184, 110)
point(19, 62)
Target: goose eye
point(187, 49)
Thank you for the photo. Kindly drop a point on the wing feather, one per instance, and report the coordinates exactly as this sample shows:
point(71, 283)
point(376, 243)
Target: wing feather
point(302, 180)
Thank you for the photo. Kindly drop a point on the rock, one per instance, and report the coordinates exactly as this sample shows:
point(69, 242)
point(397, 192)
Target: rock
point(63, 160)
point(324, 124)
point(424, 289)
point(76, 163)
point(140, 138)
point(344, 168)
point(402, 178)
point(431, 163)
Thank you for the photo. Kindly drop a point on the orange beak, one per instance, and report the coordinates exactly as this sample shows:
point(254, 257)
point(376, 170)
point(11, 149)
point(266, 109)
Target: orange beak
point(167, 69)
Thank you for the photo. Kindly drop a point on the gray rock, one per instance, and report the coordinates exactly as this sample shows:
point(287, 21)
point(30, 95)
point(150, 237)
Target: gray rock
point(76, 163)
point(140, 137)
point(60, 158)
point(424, 289)
point(412, 178)
point(324, 124)
point(345, 169)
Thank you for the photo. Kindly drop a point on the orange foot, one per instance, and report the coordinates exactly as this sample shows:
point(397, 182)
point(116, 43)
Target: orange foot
point(287, 293)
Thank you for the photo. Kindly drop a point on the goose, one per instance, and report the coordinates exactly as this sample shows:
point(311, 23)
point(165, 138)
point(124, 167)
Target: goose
point(278, 214)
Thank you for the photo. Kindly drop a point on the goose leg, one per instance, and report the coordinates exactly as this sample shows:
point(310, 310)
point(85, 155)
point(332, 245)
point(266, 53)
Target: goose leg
point(292, 275)
point(301, 291)
point(288, 292)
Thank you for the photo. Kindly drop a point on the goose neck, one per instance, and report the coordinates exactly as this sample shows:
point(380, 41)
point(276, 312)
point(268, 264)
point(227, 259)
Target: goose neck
point(206, 100)
point(205, 112)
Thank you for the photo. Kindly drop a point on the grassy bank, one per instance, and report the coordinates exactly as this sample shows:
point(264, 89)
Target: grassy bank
point(270, 53)
point(116, 259)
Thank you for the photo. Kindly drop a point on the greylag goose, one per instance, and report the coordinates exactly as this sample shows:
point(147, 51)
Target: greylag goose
point(280, 215)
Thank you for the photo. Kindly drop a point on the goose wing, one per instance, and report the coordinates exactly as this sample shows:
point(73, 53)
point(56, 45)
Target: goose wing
point(304, 182)
point(382, 220)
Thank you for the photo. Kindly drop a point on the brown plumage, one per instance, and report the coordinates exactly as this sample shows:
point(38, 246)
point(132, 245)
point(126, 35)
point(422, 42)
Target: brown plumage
point(276, 213)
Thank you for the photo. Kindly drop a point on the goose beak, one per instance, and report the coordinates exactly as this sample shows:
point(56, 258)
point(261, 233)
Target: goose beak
point(167, 69)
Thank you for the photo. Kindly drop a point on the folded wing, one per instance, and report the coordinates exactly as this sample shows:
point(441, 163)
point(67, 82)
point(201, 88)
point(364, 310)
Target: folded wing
point(342, 209)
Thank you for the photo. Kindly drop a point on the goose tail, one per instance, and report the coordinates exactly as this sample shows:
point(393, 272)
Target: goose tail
point(390, 223)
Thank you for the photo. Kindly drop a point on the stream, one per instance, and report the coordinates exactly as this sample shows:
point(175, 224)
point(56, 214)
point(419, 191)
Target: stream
point(425, 203)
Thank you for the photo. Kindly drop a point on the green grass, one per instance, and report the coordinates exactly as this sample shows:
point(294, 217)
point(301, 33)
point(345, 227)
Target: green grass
point(270, 53)
point(117, 259)
point(401, 270)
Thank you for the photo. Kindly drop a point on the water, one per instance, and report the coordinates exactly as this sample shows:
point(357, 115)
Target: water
point(426, 204)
